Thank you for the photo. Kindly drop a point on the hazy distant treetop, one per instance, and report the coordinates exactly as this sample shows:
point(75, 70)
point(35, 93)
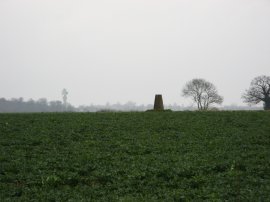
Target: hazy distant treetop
point(64, 92)
point(64, 95)
point(259, 91)
point(202, 92)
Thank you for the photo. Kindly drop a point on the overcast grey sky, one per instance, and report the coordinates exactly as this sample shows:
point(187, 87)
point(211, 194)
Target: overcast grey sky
point(129, 50)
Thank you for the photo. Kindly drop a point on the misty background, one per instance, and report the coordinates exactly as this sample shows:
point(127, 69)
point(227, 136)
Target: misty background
point(126, 51)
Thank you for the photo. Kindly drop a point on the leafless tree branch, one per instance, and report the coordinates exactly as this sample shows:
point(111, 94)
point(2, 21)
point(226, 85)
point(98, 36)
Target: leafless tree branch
point(259, 91)
point(202, 92)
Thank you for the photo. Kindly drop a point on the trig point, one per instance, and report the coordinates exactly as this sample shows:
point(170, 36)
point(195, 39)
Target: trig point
point(158, 103)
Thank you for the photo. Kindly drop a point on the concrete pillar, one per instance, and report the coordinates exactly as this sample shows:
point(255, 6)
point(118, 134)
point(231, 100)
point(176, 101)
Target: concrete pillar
point(158, 105)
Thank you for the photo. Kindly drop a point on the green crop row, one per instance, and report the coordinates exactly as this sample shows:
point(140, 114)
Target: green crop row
point(170, 156)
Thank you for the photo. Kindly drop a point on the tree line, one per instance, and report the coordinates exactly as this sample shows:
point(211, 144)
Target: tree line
point(41, 105)
point(205, 94)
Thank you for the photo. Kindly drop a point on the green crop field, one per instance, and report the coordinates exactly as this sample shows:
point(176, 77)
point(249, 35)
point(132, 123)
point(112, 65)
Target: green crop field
point(144, 156)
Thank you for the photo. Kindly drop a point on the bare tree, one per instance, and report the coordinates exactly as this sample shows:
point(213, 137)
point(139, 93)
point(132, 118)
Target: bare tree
point(203, 93)
point(259, 91)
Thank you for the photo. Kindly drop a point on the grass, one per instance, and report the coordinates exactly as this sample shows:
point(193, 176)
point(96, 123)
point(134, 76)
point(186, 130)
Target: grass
point(177, 156)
